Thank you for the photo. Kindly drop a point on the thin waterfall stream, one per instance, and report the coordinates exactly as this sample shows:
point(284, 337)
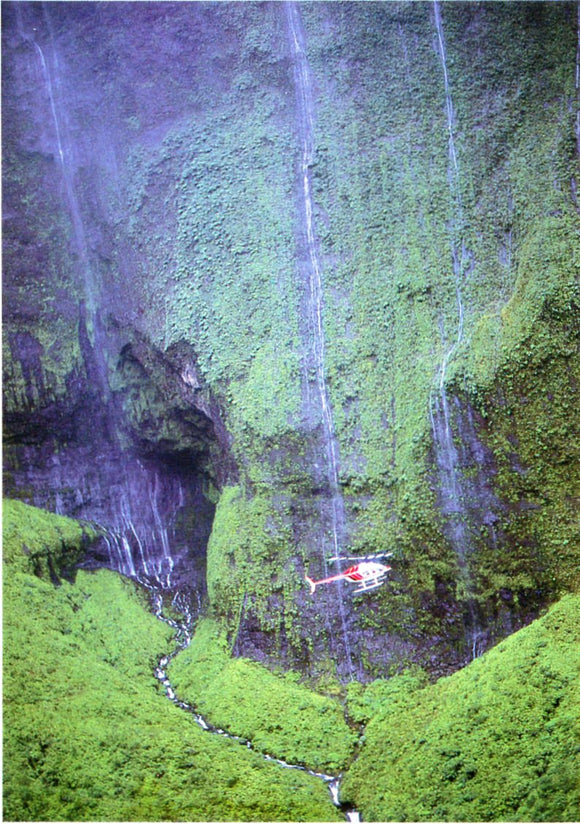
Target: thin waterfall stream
point(50, 72)
point(183, 637)
point(451, 489)
point(458, 250)
point(313, 276)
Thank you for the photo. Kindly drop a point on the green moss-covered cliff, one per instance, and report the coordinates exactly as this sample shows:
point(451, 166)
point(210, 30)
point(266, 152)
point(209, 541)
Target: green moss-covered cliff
point(156, 299)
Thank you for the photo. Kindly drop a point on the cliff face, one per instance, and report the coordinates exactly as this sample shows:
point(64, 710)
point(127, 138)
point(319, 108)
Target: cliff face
point(167, 346)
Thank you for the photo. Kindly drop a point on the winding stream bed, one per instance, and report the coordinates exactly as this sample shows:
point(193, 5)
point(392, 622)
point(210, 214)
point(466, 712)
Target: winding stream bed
point(183, 638)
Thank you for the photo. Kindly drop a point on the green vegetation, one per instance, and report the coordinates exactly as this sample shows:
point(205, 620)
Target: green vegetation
point(42, 349)
point(187, 187)
point(87, 733)
point(221, 255)
point(387, 220)
point(279, 716)
point(252, 562)
point(497, 741)
point(37, 543)
point(390, 222)
point(521, 373)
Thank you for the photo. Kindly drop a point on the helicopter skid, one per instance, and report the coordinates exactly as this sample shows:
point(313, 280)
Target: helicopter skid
point(365, 587)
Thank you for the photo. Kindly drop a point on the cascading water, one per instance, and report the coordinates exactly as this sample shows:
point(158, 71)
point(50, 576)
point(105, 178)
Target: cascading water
point(451, 488)
point(138, 508)
point(313, 278)
point(459, 254)
point(140, 537)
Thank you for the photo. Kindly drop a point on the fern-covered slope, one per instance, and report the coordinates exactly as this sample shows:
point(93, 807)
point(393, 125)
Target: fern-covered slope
point(497, 741)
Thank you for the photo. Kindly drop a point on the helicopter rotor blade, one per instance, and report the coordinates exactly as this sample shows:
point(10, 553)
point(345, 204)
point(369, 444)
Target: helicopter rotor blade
point(360, 557)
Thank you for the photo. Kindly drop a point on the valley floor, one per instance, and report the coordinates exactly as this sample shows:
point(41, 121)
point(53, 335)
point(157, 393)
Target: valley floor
point(88, 735)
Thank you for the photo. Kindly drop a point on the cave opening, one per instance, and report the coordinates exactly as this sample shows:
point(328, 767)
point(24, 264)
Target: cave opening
point(143, 465)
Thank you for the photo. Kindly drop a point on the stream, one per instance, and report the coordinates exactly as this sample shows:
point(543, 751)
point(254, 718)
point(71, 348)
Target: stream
point(183, 638)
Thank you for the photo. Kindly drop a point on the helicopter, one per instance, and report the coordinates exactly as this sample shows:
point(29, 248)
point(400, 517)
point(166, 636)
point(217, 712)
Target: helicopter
point(368, 573)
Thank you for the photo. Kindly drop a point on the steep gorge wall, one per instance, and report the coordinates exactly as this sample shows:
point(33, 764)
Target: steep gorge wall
point(392, 223)
point(185, 331)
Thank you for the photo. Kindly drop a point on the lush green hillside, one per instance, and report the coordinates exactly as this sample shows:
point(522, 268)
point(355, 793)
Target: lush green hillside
point(87, 733)
point(89, 736)
point(497, 741)
point(279, 715)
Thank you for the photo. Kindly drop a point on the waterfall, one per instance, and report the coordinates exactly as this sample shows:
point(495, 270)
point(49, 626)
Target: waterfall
point(452, 490)
point(50, 72)
point(459, 254)
point(49, 87)
point(166, 561)
point(313, 277)
point(138, 541)
point(136, 538)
